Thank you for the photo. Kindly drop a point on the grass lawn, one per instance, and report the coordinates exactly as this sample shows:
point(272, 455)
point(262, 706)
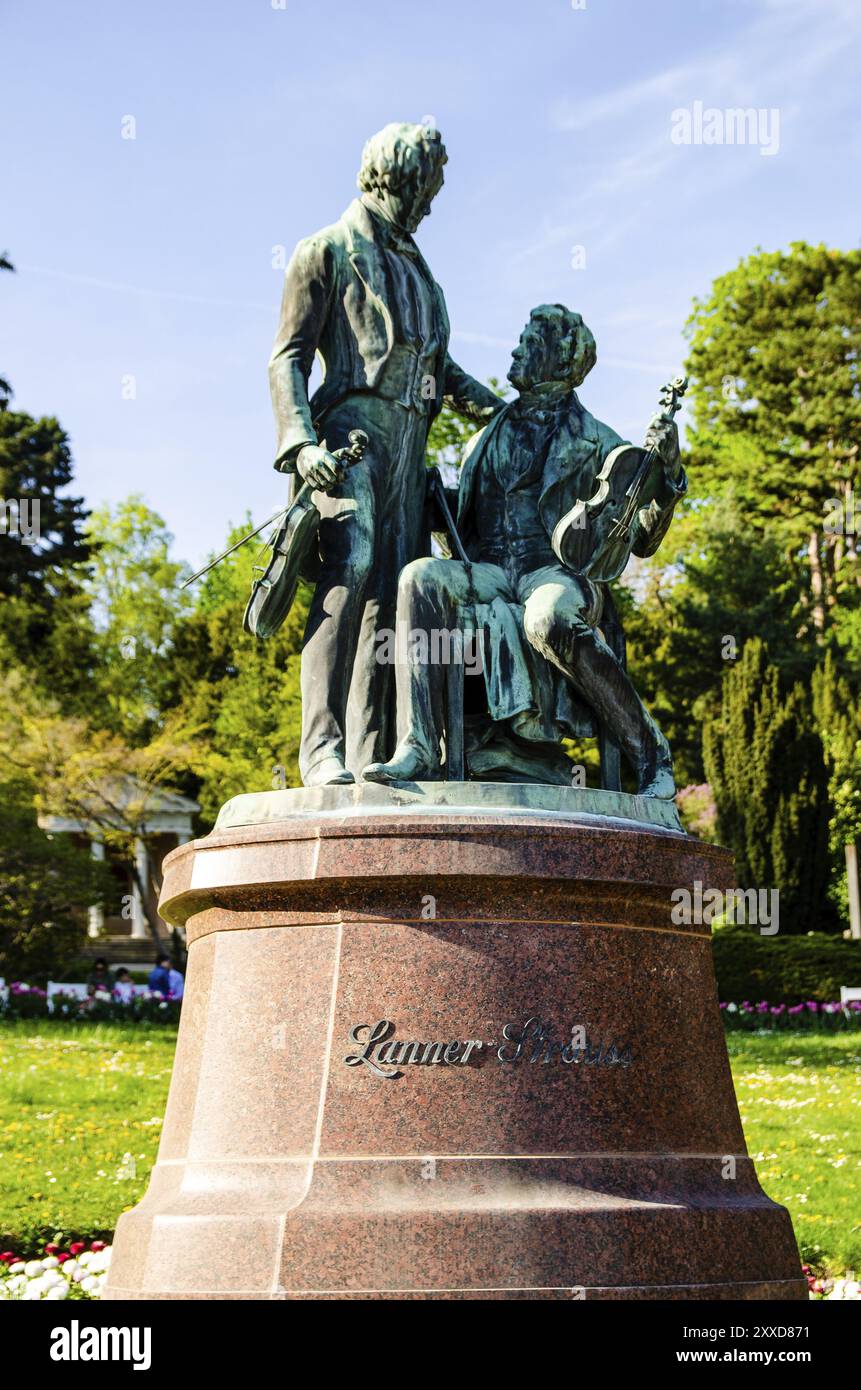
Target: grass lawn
point(800, 1103)
point(81, 1107)
point(74, 1102)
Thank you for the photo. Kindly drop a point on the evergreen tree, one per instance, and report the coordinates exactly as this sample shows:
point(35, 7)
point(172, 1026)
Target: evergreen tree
point(765, 763)
point(837, 706)
point(35, 466)
point(44, 621)
point(692, 609)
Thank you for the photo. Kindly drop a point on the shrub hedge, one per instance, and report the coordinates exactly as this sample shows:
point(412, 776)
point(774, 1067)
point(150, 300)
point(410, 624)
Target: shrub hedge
point(783, 969)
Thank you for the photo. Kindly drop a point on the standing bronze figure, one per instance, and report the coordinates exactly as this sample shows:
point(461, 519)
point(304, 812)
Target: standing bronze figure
point(360, 295)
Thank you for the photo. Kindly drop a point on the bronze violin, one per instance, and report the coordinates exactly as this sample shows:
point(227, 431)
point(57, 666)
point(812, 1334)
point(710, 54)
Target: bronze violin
point(292, 545)
point(595, 537)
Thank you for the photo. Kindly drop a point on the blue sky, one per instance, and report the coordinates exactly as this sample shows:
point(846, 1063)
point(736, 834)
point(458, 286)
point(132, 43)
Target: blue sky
point(152, 258)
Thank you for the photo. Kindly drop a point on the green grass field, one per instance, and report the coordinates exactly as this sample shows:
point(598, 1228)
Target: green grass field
point(81, 1107)
point(800, 1103)
point(74, 1103)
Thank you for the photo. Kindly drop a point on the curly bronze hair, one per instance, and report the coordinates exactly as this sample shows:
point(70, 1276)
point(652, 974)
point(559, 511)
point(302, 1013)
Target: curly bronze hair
point(396, 153)
point(576, 345)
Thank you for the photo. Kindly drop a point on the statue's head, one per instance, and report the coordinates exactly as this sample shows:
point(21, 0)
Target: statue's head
point(555, 347)
point(402, 169)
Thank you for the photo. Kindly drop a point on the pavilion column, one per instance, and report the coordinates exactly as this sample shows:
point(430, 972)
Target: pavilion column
point(96, 912)
point(854, 886)
point(140, 930)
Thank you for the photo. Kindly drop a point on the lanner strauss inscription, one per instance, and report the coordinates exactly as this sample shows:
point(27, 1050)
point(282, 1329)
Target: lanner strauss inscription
point(530, 1042)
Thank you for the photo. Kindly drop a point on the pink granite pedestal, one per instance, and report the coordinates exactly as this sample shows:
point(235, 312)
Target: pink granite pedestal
point(284, 1172)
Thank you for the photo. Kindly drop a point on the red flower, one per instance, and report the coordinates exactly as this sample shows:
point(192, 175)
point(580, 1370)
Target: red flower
point(7, 1258)
point(97, 1245)
point(51, 1249)
point(78, 1246)
point(61, 1259)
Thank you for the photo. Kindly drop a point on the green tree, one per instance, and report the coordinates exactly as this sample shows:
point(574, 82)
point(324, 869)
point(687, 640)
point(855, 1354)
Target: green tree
point(46, 884)
point(35, 467)
point(837, 706)
point(775, 360)
point(765, 762)
point(43, 554)
point(240, 694)
point(92, 776)
point(44, 620)
point(135, 598)
point(691, 610)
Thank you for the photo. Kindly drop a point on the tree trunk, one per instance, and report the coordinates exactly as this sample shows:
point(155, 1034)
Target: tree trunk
point(817, 582)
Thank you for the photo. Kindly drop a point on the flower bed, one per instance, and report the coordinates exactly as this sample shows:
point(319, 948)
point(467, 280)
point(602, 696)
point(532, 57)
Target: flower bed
point(837, 1289)
point(82, 1273)
point(102, 1006)
point(830, 1018)
point(73, 1273)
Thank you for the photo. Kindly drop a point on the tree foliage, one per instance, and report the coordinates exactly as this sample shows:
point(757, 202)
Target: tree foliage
point(775, 360)
point(766, 765)
point(46, 885)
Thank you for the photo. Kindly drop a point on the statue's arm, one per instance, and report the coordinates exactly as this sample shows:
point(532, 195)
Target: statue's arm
point(309, 283)
point(466, 396)
point(653, 522)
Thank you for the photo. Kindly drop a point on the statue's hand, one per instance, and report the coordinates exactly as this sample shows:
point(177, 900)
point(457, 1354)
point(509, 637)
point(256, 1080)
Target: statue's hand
point(663, 436)
point(318, 467)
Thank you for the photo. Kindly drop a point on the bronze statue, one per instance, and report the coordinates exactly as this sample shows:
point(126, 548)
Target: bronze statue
point(521, 512)
point(360, 294)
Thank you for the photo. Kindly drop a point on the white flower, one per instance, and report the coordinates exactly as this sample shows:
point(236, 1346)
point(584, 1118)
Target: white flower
point(844, 1288)
point(732, 1008)
point(33, 1267)
point(60, 1290)
point(69, 1268)
point(50, 1262)
point(90, 1283)
point(80, 1275)
point(17, 1267)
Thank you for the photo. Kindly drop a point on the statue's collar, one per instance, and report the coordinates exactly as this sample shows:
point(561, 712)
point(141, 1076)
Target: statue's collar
point(388, 233)
point(545, 408)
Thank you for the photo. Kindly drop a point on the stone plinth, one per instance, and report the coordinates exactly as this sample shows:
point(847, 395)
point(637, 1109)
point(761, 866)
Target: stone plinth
point(608, 1163)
